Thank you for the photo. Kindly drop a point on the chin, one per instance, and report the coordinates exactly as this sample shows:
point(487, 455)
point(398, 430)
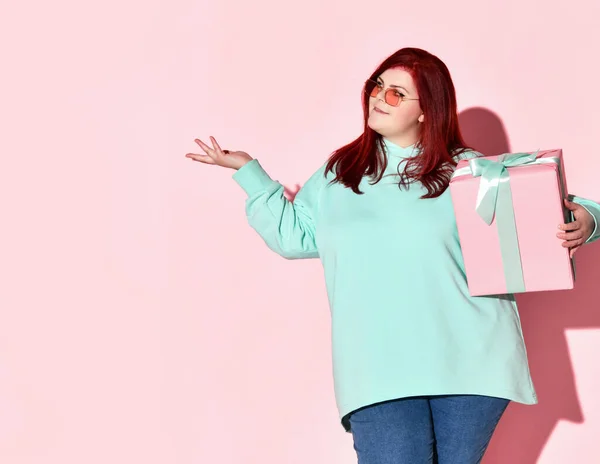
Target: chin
point(374, 127)
point(380, 130)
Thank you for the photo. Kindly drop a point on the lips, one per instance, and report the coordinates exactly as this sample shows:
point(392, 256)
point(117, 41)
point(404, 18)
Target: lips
point(378, 110)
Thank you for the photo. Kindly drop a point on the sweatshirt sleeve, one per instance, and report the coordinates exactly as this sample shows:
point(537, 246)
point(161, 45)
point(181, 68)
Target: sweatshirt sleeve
point(594, 209)
point(288, 228)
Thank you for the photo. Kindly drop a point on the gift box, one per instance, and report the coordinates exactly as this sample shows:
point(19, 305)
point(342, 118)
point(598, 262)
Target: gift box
point(508, 208)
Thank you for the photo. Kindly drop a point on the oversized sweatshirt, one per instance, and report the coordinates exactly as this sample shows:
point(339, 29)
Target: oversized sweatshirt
point(403, 322)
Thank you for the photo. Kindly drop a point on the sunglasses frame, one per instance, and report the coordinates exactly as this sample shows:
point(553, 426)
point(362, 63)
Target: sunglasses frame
point(385, 92)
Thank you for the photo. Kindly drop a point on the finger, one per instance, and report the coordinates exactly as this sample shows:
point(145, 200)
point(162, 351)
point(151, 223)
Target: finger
point(572, 206)
point(576, 235)
point(570, 226)
point(206, 148)
point(202, 158)
point(216, 145)
point(572, 243)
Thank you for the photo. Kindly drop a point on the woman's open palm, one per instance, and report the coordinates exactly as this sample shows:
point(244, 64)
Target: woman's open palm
point(219, 157)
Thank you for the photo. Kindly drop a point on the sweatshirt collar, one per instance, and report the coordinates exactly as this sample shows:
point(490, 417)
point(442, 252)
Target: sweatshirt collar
point(398, 151)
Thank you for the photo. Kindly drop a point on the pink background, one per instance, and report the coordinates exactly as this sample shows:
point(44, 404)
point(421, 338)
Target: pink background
point(143, 320)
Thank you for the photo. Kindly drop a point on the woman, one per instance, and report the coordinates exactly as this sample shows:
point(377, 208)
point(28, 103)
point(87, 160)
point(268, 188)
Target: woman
point(421, 368)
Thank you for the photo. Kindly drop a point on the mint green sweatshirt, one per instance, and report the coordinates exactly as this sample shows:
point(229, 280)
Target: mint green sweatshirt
point(403, 322)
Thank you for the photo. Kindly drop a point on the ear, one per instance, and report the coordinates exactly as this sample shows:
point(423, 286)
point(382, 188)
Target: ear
point(421, 118)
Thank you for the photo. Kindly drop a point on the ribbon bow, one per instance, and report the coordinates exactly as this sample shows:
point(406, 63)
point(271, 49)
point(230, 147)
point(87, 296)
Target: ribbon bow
point(494, 176)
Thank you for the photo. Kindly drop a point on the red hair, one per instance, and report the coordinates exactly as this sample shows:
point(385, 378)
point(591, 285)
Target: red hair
point(440, 139)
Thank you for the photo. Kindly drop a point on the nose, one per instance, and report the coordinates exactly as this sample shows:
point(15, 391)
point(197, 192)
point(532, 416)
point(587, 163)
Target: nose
point(381, 95)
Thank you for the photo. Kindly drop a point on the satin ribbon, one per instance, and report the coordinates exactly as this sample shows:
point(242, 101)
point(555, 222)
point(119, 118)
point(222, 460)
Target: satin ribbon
point(494, 198)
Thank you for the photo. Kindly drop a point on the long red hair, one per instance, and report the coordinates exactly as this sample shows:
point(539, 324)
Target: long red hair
point(440, 140)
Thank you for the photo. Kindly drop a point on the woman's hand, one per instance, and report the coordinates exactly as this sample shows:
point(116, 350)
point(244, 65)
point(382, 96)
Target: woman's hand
point(576, 232)
point(224, 158)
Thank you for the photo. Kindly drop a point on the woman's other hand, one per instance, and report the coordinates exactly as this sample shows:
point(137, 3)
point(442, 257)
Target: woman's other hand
point(577, 232)
point(219, 157)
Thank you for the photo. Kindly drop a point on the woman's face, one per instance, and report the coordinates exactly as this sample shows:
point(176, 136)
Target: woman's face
point(397, 122)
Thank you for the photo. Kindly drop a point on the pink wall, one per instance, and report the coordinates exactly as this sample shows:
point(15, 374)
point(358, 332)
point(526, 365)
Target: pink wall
point(139, 322)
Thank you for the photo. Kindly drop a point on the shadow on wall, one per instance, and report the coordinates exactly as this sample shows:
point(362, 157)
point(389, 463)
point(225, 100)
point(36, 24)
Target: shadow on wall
point(524, 430)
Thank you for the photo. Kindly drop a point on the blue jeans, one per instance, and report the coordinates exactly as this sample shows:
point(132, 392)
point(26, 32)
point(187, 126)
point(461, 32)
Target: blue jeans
point(448, 429)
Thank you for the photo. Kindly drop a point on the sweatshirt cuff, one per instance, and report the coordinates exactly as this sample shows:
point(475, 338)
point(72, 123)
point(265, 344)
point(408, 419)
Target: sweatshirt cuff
point(593, 236)
point(252, 177)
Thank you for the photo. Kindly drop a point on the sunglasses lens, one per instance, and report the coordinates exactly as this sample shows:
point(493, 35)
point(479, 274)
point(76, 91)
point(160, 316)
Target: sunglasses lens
point(374, 88)
point(392, 97)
